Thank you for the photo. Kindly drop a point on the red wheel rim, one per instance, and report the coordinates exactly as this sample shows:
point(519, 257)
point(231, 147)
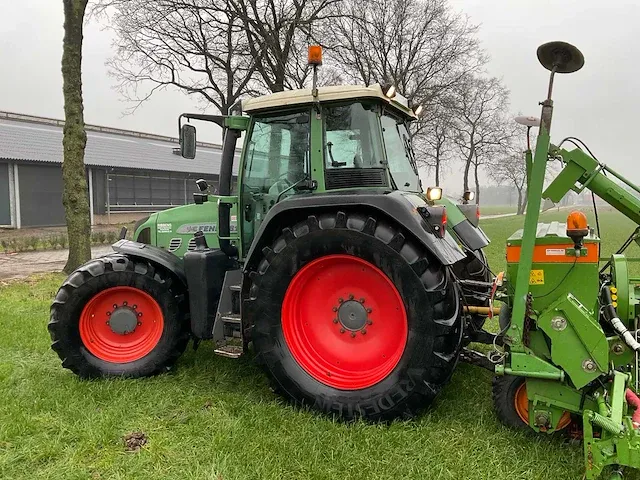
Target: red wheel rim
point(140, 324)
point(344, 322)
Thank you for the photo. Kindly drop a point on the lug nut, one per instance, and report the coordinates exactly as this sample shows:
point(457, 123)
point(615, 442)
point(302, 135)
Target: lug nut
point(108, 322)
point(139, 314)
point(135, 306)
point(353, 334)
point(351, 296)
point(108, 314)
point(139, 323)
point(369, 310)
point(335, 309)
point(342, 330)
point(124, 304)
point(363, 331)
point(340, 300)
point(369, 322)
point(335, 320)
point(362, 300)
point(115, 306)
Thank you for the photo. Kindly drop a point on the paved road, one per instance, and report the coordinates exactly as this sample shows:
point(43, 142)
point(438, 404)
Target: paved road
point(19, 265)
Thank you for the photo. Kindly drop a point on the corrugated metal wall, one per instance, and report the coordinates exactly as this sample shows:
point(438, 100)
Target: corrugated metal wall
point(5, 205)
point(41, 195)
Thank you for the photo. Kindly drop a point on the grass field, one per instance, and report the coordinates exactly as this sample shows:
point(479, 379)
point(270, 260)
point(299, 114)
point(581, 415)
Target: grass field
point(215, 418)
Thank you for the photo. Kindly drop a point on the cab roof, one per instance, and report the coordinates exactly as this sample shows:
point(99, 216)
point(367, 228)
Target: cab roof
point(325, 94)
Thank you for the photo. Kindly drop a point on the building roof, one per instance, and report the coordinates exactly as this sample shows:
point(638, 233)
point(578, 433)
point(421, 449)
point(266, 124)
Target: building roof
point(38, 139)
point(325, 94)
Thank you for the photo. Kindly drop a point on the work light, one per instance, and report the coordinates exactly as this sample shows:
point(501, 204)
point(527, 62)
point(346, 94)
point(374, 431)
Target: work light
point(434, 193)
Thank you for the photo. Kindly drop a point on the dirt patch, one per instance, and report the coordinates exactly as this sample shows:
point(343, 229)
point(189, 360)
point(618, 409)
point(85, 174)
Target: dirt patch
point(134, 441)
point(20, 265)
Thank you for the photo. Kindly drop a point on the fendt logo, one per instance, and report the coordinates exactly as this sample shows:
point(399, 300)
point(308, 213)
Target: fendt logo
point(197, 227)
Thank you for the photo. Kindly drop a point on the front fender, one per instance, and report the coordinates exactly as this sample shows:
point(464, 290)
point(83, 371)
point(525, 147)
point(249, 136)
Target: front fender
point(156, 255)
point(396, 207)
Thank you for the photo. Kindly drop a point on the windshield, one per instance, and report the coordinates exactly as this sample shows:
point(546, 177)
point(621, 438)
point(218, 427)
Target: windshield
point(397, 145)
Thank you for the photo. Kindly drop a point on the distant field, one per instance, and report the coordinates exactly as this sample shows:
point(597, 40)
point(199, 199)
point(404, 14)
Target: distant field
point(497, 209)
point(215, 418)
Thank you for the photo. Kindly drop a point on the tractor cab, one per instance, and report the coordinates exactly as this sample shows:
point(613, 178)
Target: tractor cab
point(341, 138)
point(301, 142)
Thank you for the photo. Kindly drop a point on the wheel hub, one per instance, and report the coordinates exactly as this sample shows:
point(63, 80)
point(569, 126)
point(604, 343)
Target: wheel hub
point(352, 315)
point(123, 320)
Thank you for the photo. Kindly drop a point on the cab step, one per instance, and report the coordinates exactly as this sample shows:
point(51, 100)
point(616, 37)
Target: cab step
point(229, 351)
point(233, 318)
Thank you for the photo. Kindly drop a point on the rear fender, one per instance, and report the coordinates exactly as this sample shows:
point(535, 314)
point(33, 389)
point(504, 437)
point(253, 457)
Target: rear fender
point(460, 224)
point(400, 208)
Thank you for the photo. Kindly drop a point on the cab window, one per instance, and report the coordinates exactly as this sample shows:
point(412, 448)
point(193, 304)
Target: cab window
point(352, 138)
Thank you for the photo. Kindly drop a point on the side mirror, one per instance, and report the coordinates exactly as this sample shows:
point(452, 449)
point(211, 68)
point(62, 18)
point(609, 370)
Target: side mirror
point(188, 141)
point(202, 185)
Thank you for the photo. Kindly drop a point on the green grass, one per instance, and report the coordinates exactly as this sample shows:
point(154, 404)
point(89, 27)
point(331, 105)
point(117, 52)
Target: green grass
point(215, 418)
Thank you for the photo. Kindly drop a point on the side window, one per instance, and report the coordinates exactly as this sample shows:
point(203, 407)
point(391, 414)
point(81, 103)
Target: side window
point(277, 152)
point(351, 137)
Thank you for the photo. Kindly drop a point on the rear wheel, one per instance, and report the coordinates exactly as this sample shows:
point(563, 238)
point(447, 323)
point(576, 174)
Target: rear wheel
point(118, 316)
point(353, 318)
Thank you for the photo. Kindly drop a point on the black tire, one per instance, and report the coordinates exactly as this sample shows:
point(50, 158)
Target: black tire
point(504, 389)
point(428, 292)
point(474, 267)
point(112, 271)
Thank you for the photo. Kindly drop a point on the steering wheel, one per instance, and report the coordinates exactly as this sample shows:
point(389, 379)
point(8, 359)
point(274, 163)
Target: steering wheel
point(280, 184)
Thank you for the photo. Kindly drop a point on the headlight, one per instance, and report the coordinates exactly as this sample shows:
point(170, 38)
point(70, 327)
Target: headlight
point(468, 196)
point(434, 193)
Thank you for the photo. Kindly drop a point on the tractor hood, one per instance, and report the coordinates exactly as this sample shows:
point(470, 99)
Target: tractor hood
point(173, 229)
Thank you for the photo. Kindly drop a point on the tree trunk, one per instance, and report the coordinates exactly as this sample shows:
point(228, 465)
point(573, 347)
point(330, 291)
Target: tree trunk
point(437, 173)
point(475, 173)
point(520, 210)
point(74, 195)
point(466, 175)
point(524, 201)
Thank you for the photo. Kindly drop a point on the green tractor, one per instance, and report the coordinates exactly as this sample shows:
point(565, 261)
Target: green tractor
point(330, 260)
point(356, 296)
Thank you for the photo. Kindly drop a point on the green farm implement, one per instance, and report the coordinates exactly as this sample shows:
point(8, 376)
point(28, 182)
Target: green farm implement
point(357, 291)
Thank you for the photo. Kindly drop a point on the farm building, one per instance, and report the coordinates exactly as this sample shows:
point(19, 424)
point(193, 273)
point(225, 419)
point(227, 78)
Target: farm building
point(129, 173)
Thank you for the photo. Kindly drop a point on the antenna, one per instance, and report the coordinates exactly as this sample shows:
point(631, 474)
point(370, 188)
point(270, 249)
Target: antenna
point(559, 57)
point(528, 122)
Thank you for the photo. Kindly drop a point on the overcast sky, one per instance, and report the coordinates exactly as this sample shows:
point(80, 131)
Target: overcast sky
point(599, 104)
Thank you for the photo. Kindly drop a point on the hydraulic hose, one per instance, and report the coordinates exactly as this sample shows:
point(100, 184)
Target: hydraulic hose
point(634, 401)
point(612, 317)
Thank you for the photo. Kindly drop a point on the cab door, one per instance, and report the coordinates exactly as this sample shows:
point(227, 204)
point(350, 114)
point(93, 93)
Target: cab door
point(276, 157)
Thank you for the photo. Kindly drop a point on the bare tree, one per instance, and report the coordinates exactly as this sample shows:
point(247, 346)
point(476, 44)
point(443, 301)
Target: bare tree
point(512, 171)
point(481, 123)
point(74, 194)
point(420, 46)
point(277, 32)
point(434, 144)
point(196, 46)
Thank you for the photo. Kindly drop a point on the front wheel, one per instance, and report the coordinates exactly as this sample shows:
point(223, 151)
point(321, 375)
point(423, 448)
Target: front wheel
point(353, 318)
point(118, 316)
